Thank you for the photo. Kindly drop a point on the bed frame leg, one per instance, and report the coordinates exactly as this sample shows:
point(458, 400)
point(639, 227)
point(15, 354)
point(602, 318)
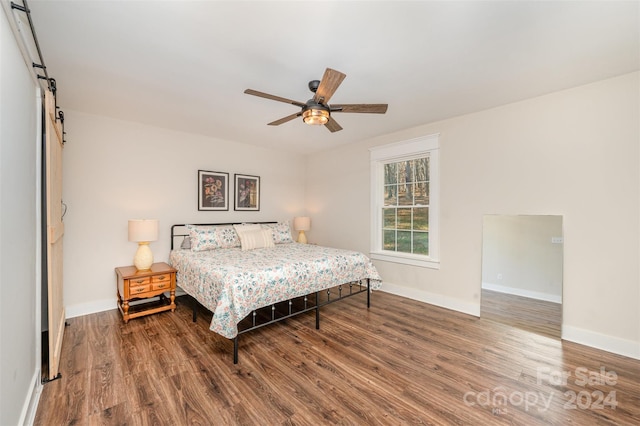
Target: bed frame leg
point(317, 310)
point(235, 350)
point(194, 314)
point(368, 293)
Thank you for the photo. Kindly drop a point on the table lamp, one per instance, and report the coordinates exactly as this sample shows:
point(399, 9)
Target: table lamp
point(143, 231)
point(301, 224)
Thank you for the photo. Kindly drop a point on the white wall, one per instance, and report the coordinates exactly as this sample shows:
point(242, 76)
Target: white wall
point(519, 256)
point(572, 153)
point(116, 170)
point(19, 227)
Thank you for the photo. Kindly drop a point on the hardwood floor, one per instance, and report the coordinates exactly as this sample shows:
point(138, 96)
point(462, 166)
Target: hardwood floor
point(400, 362)
point(537, 316)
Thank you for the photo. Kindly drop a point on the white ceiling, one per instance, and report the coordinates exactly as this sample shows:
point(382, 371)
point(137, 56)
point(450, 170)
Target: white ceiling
point(184, 65)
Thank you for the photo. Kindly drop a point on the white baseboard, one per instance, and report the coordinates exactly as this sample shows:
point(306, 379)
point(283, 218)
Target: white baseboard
point(81, 309)
point(433, 299)
point(30, 406)
point(523, 292)
point(596, 340)
point(90, 307)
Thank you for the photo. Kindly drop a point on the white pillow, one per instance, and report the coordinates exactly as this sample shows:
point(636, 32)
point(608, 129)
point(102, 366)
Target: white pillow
point(259, 238)
point(243, 227)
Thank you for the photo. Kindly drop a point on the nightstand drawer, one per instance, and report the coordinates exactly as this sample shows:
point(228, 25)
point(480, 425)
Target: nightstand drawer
point(161, 285)
point(140, 281)
point(133, 290)
point(163, 277)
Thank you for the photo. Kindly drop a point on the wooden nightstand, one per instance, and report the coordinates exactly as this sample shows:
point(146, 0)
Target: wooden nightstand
point(134, 284)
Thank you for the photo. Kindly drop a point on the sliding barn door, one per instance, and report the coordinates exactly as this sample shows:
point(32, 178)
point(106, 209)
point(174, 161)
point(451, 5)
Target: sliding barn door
point(55, 232)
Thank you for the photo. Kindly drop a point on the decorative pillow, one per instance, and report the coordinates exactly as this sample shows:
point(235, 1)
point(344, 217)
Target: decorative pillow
point(212, 237)
point(281, 232)
point(259, 238)
point(186, 243)
point(244, 227)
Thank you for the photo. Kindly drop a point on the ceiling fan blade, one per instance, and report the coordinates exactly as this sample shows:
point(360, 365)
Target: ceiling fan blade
point(285, 119)
point(333, 125)
point(273, 97)
point(328, 85)
point(361, 108)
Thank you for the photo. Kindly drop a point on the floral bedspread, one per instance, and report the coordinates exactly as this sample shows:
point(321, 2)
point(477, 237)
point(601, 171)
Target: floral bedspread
point(231, 283)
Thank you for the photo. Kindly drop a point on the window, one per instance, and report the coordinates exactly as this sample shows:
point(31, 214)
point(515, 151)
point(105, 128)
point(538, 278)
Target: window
point(405, 202)
point(405, 213)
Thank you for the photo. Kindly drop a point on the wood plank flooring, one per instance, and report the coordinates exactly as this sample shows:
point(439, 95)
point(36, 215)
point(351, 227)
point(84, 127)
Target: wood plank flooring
point(537, 316)
point(400, 362)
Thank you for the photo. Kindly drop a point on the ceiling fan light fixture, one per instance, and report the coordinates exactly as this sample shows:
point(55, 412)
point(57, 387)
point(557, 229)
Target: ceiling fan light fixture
point(315, 116)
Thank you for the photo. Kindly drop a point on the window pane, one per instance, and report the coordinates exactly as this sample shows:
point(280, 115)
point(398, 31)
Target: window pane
point(421, 169)
point(390, 173)
point(421, 218)
point(411, 171)
point(405, 194)
point(390, 195)
point(389, 218)
point(421, 193)
point(404, 172)
point(421, 243)
point(389, 240)
point(404, 218)
point(404, 241)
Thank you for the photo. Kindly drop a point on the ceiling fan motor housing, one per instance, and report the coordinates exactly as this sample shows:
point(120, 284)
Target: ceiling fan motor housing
point(311, 104)
point(313, 85)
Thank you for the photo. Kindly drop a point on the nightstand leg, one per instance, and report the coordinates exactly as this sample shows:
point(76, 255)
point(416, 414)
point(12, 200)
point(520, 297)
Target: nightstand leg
point(125, 311)
point(173, 300)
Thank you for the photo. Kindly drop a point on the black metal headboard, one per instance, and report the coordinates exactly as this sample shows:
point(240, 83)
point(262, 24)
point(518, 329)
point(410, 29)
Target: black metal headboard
point(178, 231)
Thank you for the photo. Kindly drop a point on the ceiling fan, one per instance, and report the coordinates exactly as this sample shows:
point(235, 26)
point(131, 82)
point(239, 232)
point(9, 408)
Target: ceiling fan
point(317, 109)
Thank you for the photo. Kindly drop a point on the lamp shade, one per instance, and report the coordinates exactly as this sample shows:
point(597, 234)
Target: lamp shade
point(143, 230)
point(302, 223)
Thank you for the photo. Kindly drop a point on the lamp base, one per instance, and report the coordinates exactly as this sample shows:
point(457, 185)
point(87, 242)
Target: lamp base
point(302, 238)
point(143, 258)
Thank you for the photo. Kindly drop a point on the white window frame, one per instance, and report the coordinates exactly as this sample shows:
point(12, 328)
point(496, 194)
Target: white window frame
point(399, 151)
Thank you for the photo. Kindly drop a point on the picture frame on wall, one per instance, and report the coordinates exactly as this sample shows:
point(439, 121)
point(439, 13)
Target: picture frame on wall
point(213, 191)
point(247, 192)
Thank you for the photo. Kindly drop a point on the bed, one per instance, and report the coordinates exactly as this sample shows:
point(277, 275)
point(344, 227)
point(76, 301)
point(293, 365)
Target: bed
point(248, 283)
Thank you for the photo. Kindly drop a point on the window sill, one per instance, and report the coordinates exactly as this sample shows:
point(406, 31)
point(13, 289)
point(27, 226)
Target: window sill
point(405, 259)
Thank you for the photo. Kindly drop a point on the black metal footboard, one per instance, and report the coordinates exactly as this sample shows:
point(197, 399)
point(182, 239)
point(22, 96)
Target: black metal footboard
point(289, 308)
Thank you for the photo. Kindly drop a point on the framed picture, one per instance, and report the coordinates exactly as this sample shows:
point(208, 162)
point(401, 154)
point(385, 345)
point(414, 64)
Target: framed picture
point(213, 190)
point(247, 192)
